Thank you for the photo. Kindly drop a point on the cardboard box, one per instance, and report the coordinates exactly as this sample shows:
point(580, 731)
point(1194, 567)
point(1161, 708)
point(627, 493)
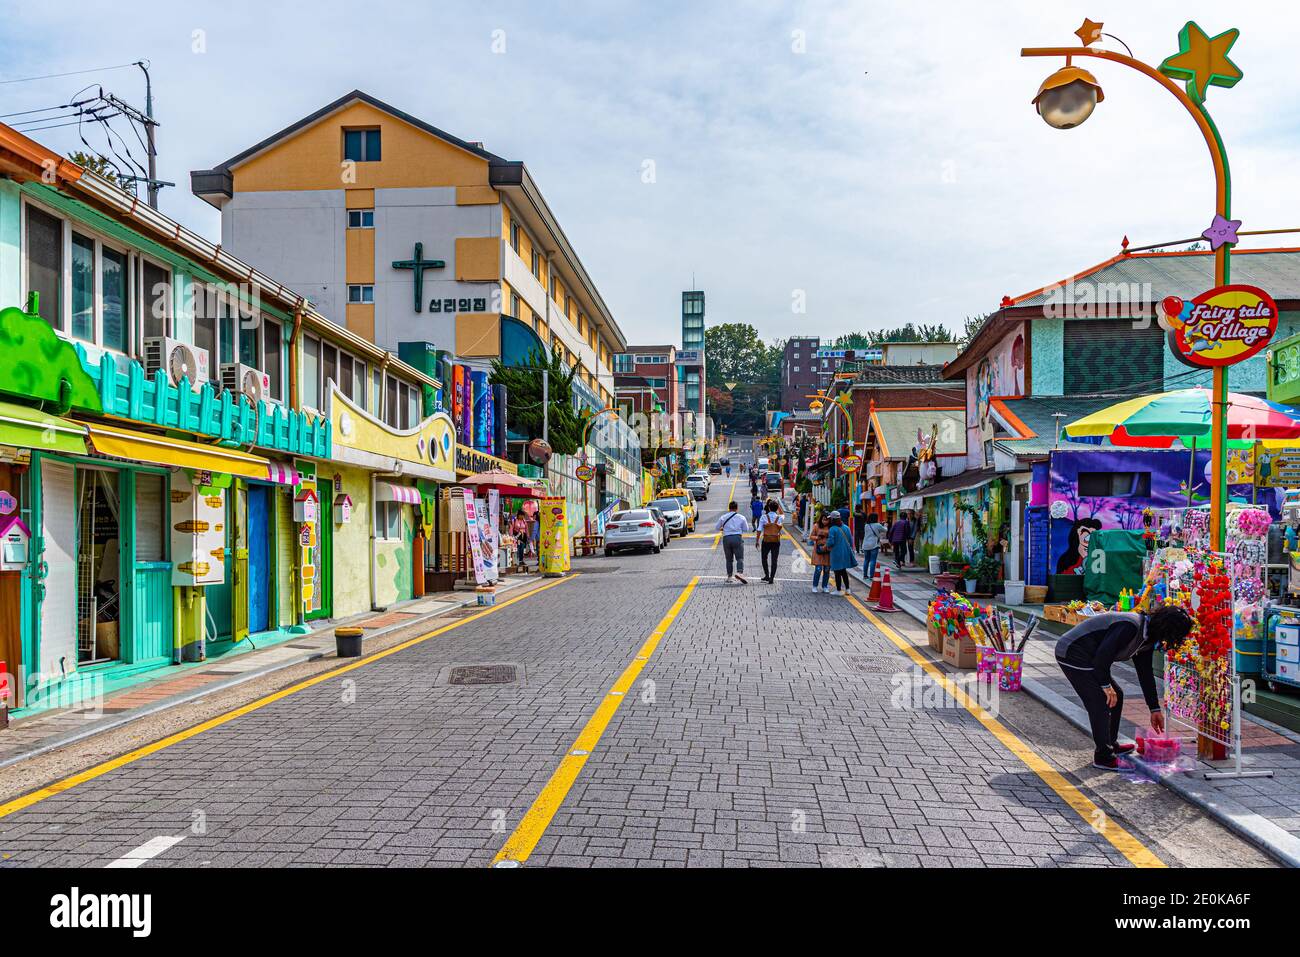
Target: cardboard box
point(959, 651)
point(935, 636)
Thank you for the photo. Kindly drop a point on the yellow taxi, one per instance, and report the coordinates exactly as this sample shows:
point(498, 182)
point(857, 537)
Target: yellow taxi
point(688, 504)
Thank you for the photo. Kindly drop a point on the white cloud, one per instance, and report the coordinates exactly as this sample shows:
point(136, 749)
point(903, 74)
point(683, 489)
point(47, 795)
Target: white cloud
point(895, 170)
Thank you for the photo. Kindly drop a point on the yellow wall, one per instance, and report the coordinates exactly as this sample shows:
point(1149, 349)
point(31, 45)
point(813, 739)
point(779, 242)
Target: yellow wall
point(359, 246)
point(361, 319)
point(351, 541)
point(478, 334)
point(478, 258)
point(477, 196)
point(313, 158)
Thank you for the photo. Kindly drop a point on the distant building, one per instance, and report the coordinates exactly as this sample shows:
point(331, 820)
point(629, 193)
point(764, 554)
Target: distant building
point(691, 370)
point(645, 381)
point(918, 353)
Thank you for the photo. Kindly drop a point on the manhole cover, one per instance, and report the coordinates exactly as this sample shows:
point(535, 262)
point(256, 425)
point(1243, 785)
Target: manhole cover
point(875, 664)
point(482, 675)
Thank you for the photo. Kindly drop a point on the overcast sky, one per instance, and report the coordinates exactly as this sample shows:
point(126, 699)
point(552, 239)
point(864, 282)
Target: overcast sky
point(881, 160)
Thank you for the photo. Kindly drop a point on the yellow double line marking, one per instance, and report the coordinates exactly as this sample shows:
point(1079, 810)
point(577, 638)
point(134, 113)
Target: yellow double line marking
point(1134, 850)
point(98, 770)
point(520, 844)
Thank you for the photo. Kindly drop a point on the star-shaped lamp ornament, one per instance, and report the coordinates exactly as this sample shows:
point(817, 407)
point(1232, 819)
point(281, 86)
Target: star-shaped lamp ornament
point(1090, 32)
point(1202, 61)
point(1222, 231)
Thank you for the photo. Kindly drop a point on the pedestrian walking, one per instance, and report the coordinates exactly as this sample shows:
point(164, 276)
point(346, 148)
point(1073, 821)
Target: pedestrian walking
point(859, 524)
point(898, 539)
point(913, 533)
point(821, 557)
point(767, 539)
point(873, 533)
point(733, 527)
point(755, 507)
point(842, 558)
point(1086, 653)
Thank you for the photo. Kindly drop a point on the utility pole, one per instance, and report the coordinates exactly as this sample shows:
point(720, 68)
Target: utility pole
point(148, 132)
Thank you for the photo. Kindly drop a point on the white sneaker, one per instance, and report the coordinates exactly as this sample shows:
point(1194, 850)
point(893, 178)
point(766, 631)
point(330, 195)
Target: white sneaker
point(816, 589)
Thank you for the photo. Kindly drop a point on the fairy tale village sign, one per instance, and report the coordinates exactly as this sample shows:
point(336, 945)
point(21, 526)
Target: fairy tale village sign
point(1221, 327)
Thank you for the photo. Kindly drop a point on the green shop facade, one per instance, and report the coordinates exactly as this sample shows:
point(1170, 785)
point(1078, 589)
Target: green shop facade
point(154, 510)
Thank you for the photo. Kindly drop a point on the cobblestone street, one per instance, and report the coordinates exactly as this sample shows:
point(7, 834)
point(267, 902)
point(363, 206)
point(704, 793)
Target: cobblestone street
point(770, 726)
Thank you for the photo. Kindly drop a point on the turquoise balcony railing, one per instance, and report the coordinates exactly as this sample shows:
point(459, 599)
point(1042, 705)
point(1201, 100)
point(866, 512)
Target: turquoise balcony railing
point(131, 394)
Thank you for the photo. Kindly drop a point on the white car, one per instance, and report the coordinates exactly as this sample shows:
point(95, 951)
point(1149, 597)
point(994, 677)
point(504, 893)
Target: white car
point(697, 487)
point(675, 514)
point(635, 528)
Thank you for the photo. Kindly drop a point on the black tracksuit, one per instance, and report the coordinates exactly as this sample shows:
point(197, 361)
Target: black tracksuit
point(1086, 653)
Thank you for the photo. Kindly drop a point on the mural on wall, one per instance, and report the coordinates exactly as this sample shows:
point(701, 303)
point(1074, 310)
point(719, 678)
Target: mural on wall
point(1156, 479)
point(1000, 373)
point(944, 529)
point(36, 364)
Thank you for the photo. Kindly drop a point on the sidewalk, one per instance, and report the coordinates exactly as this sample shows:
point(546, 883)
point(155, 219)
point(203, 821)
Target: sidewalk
point(1265, 811)
point(48, 730)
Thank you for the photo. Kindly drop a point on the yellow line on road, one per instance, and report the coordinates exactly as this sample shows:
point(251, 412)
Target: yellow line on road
point(58, 787)
point(520, 844)
point(1124, 842)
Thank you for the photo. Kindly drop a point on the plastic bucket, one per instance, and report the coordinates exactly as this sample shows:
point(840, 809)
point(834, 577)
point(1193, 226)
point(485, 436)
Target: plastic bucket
point(347, 642)
point(1010, 666)
point(936, 565)
point(986, 663)
point(1249, 655)
point(1014, 592)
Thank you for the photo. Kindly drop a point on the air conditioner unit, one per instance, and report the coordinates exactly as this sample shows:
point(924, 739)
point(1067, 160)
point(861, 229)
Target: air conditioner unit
point(253, 384)
point(179, 359)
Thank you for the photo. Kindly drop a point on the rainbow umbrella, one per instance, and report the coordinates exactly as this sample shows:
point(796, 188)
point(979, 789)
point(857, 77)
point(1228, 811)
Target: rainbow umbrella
point(1184, 415)
point(1158, 421)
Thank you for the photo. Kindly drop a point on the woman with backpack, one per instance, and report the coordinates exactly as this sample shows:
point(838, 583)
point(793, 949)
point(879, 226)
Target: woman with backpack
point(840, 542)
point(821, 553)
point(768, 539)
point(873, 533)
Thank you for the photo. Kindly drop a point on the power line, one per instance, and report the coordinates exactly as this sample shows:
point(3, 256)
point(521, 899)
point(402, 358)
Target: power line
point(46, 109)
point(54, 76)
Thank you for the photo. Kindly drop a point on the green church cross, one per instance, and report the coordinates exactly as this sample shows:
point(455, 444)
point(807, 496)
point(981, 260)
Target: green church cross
point(419, 264)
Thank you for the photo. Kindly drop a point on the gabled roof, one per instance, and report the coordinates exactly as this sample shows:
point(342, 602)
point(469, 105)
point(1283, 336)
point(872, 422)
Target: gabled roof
point(1032, 421)
point(896, 430)
point(1142, 280)
point(356, 96)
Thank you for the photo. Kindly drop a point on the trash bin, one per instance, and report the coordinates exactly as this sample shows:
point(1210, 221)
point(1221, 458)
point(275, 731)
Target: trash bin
point(347, 642)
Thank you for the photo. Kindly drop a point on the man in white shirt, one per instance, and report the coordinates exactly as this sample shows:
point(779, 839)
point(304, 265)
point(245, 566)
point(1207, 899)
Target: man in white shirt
point(734, 527)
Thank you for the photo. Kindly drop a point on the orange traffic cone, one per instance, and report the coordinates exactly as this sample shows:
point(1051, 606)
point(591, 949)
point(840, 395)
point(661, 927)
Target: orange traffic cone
point(874, 594)
point(886, 602)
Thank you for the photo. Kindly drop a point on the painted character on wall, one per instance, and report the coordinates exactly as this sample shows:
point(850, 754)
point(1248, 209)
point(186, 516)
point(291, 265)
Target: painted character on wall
point(1076, 551)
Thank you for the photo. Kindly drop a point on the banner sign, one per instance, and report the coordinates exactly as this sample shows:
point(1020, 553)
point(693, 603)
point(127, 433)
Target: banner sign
point(1221, 327)
point(850, 463)
point(1278, 468)
point(474, 540)
point(492, 532)
point(553, 540)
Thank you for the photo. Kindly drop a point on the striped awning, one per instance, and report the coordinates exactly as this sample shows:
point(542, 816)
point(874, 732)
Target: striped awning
point(282, 474)
point(388, 492)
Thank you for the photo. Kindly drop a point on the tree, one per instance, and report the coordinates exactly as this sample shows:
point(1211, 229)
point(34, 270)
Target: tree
point(908, 332)
point(736, 354)
point(524, 400)
point(720, 401)
point(96, 164)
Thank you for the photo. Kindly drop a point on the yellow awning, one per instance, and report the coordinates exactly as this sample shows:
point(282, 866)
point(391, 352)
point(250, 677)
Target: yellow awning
point(161, 450)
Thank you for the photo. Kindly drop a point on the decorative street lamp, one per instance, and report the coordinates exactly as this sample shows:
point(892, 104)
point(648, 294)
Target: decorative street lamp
point(1069, 96)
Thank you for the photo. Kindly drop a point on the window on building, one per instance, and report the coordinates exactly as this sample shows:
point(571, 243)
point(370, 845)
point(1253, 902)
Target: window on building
point(45, 264)
point(388, 521)
point(83, 287)
point(514, 305)
point(1114, 484)
point(514, 236)
point(361, 293)
point(361, 219)
point(311, 372)
point(114, 298)
point(272, 358)
point(796, 368)
point(402, 404)
point(157, 286)
point(361, 146)
point(329, 367)
point(537, 266)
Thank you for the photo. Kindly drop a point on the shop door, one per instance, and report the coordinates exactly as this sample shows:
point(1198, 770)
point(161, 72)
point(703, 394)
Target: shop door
point(149, 582)
point(259, 558)
point(100, 587)
point(322, 561)
point(239, 563)
point(57, 594)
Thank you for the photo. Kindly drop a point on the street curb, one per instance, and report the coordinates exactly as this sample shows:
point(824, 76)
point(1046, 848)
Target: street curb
point(1277, 842)
point(145, 711)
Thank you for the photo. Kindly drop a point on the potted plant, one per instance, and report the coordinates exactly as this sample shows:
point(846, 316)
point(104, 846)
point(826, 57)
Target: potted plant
point(969, 582)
